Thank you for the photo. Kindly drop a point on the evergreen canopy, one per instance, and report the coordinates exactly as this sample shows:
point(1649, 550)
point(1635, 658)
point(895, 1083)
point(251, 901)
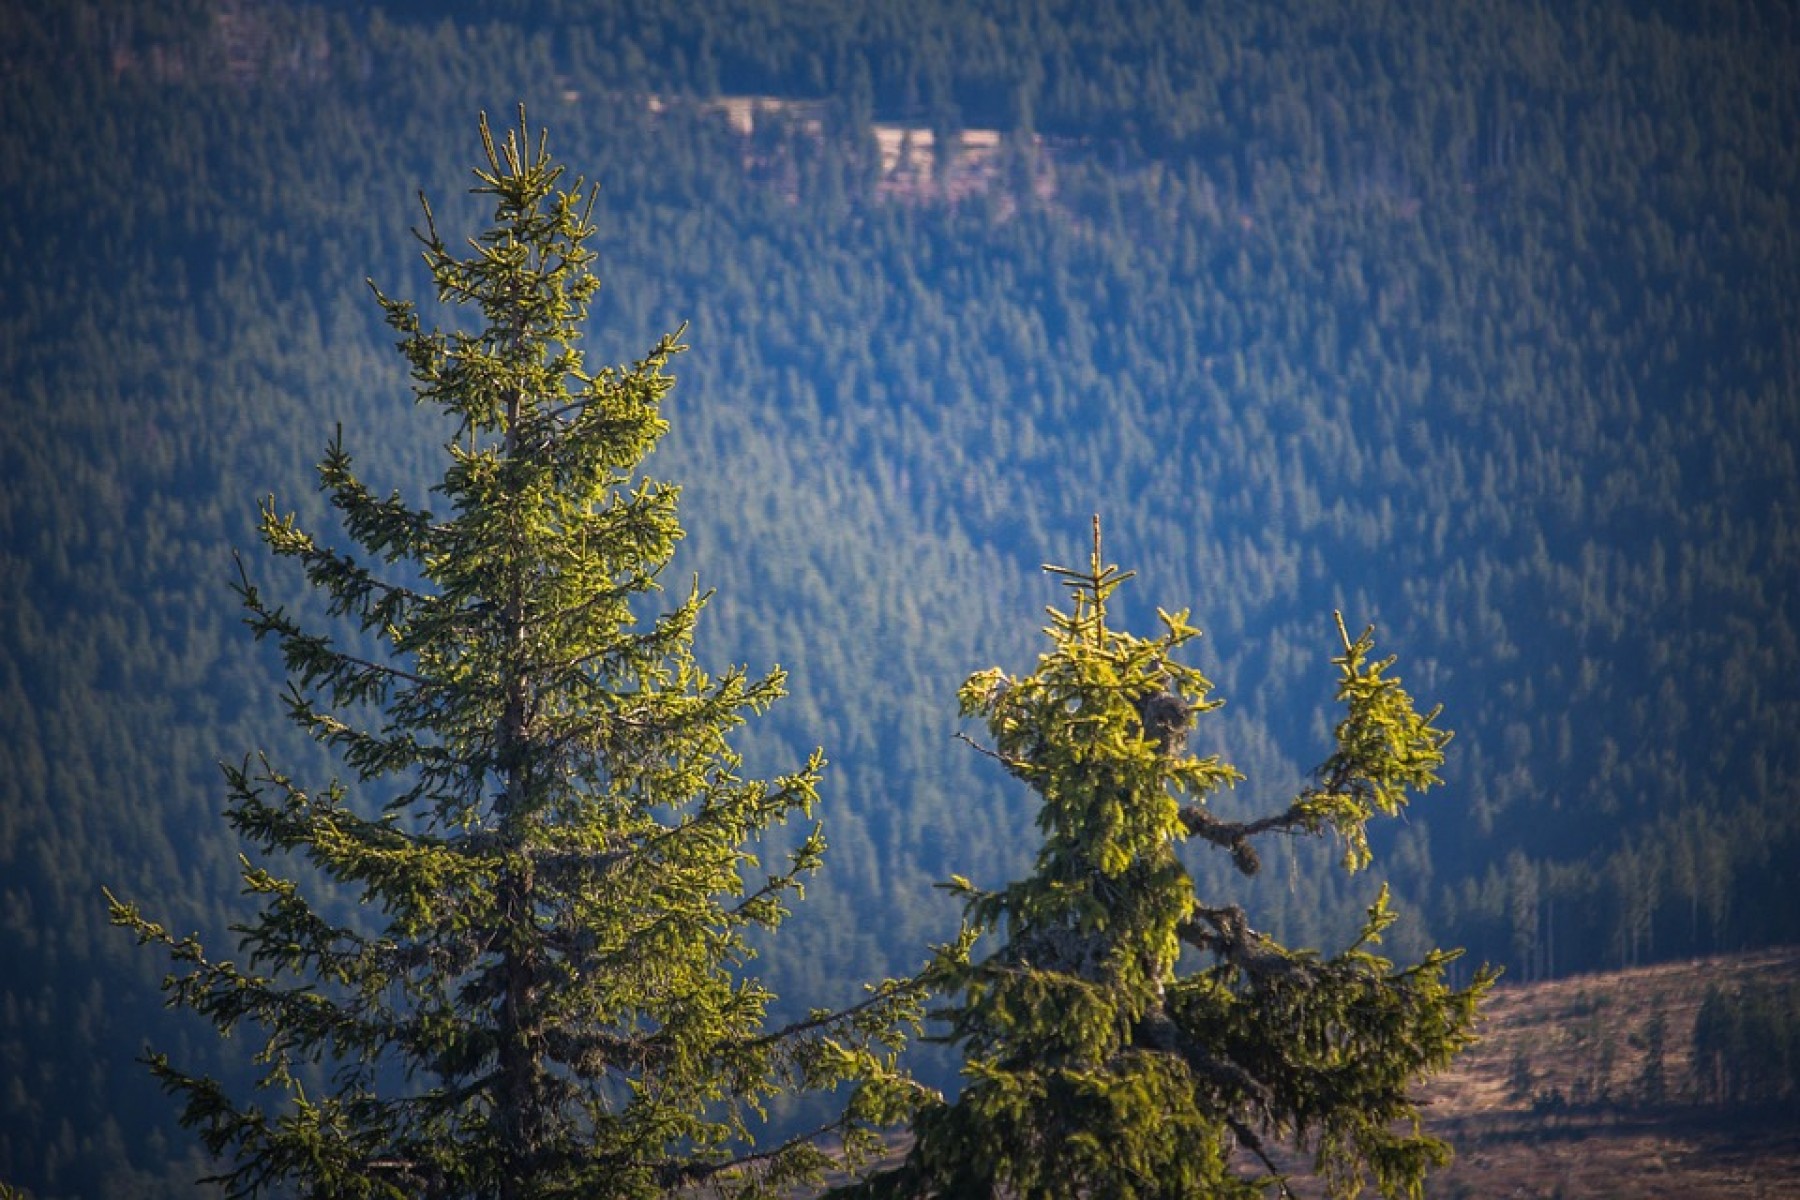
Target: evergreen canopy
point(1096, 1066)
point(548, 995)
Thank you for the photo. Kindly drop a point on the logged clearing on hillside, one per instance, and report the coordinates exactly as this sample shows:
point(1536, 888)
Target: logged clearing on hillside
point(1567, 1094)
point(1553, 1103)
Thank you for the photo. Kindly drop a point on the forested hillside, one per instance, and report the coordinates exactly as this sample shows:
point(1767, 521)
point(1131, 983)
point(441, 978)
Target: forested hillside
point(1480, 322)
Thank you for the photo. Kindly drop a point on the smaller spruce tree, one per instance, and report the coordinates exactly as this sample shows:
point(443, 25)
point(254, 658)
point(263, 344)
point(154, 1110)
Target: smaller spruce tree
point(1094, 1065)
point(546, 993)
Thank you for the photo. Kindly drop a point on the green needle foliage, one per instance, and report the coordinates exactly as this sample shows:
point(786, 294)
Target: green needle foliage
point(1095, 1065)
point(546, 996)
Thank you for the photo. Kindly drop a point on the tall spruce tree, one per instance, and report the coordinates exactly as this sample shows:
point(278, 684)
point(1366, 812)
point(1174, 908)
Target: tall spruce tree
point(1099, 1063)
point(547, 995)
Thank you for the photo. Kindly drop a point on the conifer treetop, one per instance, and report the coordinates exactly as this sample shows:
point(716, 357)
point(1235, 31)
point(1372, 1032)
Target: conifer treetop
point(1098, 1064)
point(543, 989)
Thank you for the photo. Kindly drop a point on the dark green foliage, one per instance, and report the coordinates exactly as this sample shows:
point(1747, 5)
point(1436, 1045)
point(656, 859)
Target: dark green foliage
point(548, 997)
point(1747, 1046)
point(1093, 1065)
point(1472, 318)
point(1652, 1084)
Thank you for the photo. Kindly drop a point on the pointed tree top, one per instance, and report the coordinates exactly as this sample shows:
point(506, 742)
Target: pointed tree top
point(1091, 588)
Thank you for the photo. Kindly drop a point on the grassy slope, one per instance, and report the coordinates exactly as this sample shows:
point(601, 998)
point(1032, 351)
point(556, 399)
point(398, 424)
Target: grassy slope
point(1583, 1039)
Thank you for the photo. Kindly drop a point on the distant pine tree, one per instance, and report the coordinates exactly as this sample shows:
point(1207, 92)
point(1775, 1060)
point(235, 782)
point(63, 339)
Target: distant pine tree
point(1095, 1067)
point(548, 997)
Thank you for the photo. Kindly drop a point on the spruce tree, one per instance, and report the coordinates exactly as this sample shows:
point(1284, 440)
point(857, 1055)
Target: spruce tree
point(1099, 1061)
point(541, 988)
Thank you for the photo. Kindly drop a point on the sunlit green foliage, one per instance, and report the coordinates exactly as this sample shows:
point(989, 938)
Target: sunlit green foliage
point(1474, 320)
point(1094, 1065)
point(547, 825)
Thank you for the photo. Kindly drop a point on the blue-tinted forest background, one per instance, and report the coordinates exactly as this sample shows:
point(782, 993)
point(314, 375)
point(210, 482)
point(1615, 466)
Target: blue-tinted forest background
point(1478, 321)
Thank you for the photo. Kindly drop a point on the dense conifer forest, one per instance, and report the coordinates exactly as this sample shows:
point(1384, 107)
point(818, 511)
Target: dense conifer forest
point(1475, 321)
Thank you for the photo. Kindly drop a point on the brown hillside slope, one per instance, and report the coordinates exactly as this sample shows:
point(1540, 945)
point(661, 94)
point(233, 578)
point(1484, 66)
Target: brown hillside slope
point(1555, 1102)
point(1558, 1098)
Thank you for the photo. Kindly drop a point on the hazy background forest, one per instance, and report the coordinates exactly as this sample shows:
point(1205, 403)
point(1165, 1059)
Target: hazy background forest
point(1480, 321)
